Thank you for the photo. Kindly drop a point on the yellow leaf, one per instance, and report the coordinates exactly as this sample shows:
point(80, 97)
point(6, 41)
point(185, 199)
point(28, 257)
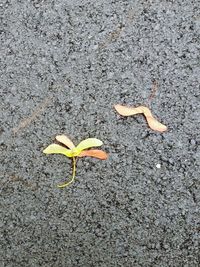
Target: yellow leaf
point(65, 140)
point(87, 143)
point(75, 151)
point(57, 149)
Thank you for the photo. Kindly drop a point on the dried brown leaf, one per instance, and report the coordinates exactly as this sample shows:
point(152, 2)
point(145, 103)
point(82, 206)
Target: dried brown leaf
point(152, 122)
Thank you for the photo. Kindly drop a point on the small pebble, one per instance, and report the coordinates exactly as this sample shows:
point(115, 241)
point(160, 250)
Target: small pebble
point(192, 142)
point(158, 166)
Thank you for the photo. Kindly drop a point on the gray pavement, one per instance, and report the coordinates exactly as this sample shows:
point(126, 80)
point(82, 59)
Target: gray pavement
point(64, 65)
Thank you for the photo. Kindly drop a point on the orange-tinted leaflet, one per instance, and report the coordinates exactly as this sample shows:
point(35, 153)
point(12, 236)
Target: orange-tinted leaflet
point(152, 122)
point(95, 153)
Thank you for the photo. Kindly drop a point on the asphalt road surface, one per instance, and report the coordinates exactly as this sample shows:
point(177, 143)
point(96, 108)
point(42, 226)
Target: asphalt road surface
point(64, 64)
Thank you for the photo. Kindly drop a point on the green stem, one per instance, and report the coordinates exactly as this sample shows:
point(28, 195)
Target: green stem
point(73, 175)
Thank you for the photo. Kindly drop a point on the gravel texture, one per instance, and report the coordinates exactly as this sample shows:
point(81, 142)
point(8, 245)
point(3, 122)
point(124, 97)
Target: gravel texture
point(64, 65)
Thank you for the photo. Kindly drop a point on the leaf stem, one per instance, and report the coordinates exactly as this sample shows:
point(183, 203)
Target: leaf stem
point(73, 175)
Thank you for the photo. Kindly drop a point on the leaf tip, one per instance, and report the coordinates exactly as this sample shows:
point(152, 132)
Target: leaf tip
point(45, 151)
